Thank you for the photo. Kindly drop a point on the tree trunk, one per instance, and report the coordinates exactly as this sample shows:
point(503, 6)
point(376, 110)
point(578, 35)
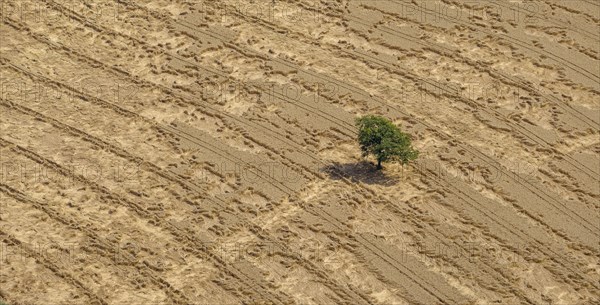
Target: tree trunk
point(379, 164)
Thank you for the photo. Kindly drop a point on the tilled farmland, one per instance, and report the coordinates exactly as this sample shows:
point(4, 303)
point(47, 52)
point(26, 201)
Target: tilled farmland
point(205, 152)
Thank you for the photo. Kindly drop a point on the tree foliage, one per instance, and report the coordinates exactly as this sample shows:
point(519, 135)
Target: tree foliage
point(379, 137)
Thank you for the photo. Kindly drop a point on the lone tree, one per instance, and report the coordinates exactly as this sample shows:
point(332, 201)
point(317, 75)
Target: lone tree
point(381, 138)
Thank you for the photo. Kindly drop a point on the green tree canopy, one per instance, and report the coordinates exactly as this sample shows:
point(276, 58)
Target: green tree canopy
point(379, 137)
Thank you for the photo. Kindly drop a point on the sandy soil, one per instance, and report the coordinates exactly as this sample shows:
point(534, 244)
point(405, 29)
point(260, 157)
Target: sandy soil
point(204, 152)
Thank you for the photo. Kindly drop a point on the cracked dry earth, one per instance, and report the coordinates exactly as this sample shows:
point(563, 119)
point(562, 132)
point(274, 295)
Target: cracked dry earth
point(204, 152)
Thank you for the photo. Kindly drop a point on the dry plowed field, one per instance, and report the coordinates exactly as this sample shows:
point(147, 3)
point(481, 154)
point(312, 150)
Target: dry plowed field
point(205, 152)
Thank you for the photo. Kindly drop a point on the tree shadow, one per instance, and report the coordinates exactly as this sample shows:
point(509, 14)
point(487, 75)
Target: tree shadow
point(363, 171)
